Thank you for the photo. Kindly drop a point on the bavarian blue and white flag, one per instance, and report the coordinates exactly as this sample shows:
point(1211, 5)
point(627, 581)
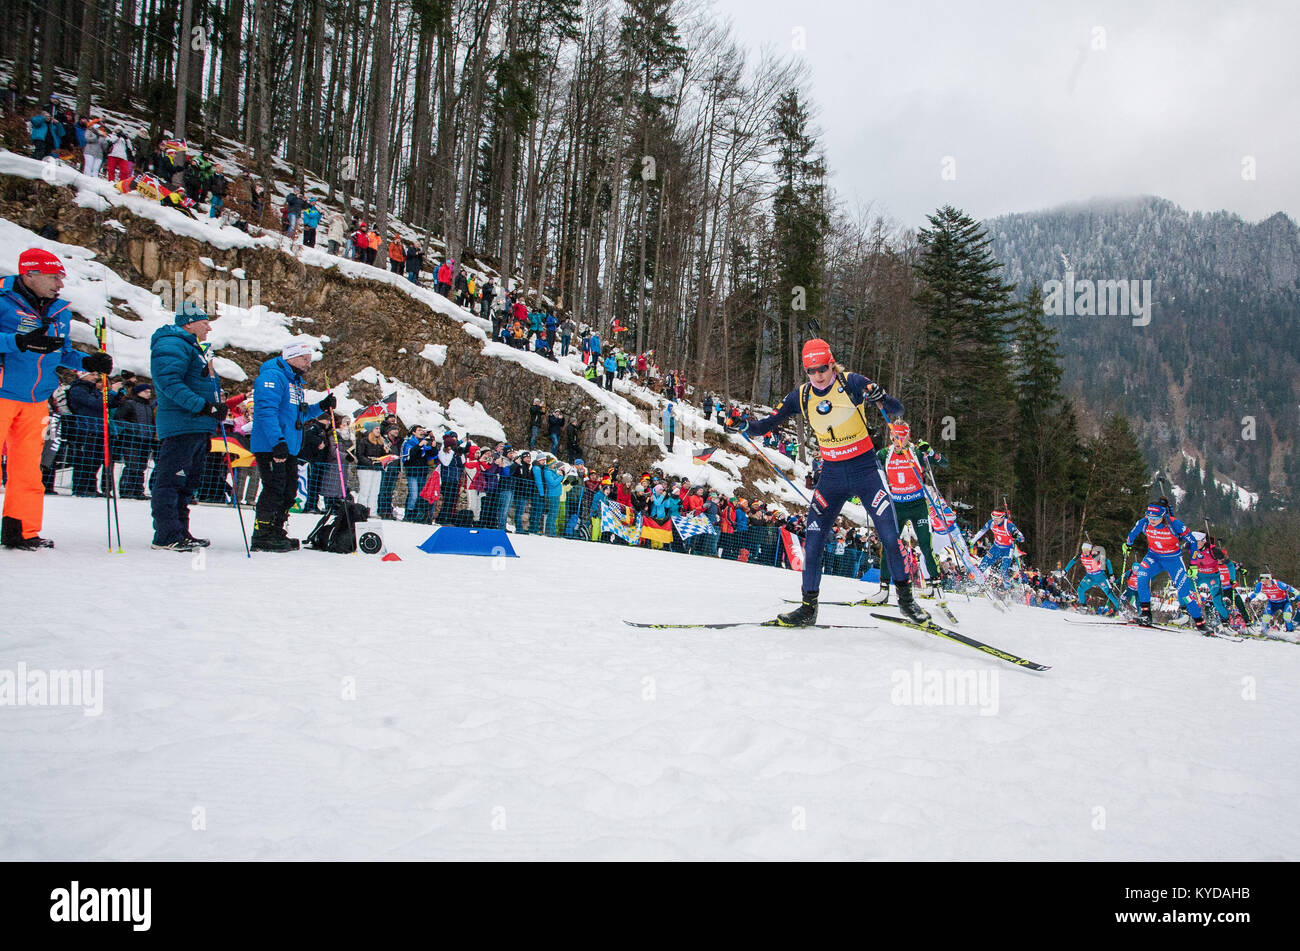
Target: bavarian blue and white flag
point(688, 526)
point(611, 520)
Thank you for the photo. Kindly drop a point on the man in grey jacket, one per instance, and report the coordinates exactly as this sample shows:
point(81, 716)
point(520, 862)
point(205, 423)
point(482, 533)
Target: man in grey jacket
point(92, 154)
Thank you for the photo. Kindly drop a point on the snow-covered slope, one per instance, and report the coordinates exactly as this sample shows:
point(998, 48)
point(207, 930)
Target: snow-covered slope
point(324, 706)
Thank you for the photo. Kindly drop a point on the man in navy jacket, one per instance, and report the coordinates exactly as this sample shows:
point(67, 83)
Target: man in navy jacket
point(187, 418)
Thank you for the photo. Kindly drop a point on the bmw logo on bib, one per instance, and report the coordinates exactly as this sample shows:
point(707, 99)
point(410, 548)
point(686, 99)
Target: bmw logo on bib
point(824, 407)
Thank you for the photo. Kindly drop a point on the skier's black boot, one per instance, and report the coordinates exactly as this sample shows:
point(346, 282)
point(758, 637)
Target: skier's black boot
point(907, 604)
point(11, 532)
point(265, 538)
point(11, 536)
point(805, 615)
point(1200, 626)
point(284, 533)
point(1144, 614)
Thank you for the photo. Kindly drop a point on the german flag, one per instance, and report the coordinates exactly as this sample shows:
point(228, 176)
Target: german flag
point(657, 531)
point(240, 454)
point(700, 458)
point(371, 415)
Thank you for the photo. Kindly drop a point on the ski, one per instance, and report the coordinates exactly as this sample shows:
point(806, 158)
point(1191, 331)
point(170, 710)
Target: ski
point(997, 600)
point(1264, 636)
point(930, 627)
point(1154, 627)
point(869, 603)
point(943, 606)
point(864, 603)
point(728, 624)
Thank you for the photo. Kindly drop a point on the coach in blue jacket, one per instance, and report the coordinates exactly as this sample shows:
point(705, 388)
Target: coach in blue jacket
point(35, 339)
point(279, 414)
point(187, 418)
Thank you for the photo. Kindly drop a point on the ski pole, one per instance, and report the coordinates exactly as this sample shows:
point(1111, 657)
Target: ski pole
point(110, 493)
point(774, 468)
point(343, 488)
point(230, 468)
point(966, 557)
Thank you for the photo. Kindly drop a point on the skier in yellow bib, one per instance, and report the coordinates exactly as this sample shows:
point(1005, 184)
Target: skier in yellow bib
point(832, 403)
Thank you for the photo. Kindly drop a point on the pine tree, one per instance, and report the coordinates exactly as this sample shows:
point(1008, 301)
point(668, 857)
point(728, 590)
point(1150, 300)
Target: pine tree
point(966, 388)
point(1047, 438)
point(652, 46)
point(799, 222)
point(1117, 490)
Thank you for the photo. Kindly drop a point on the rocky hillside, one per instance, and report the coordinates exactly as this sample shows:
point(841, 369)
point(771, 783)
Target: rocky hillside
point(369, 323)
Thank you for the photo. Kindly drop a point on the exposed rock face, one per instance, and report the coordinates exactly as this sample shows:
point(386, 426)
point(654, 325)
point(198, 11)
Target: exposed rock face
point(367, 322)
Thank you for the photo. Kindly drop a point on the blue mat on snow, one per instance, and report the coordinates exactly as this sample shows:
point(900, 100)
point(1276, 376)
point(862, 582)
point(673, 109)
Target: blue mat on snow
point(469, 541)
point(873, 574)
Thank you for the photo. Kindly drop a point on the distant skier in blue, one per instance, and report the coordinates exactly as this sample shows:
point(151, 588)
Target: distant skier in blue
point(1166, 538)
point(1279, 595)
point(1098, 573)
point(1005, 535)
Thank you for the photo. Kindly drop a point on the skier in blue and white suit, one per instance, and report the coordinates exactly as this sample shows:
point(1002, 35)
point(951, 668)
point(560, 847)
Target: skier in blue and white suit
point(1166, 537)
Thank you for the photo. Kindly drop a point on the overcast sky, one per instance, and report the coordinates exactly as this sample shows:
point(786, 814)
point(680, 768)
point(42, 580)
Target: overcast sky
point(1032, 115)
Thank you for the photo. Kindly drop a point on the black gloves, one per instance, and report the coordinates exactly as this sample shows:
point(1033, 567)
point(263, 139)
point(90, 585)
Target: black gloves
point(217, 411)
point(36, 341)
point(97, 362)
point(740, 425)
point(874, 393)
point(924, 447)
point(280, 451)
point(329, 402)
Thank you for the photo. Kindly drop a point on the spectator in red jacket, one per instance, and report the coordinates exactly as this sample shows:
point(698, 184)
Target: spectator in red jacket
point(442, 280)
point(693, 503)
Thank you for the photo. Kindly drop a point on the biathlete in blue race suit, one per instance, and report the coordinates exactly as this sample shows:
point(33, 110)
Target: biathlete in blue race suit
point(1166, 537)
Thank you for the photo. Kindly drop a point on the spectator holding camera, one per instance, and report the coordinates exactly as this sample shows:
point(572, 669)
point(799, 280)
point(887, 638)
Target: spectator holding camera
point(450, 466)
point(417, 450)
point(481, 473)
point(524, 490)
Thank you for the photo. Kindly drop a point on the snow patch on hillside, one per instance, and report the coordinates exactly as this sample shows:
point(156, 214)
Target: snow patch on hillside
point(416, 409)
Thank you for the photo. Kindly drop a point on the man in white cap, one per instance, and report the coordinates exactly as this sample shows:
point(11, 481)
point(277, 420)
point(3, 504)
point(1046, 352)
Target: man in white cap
point(35, 339)
point(279, 414)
